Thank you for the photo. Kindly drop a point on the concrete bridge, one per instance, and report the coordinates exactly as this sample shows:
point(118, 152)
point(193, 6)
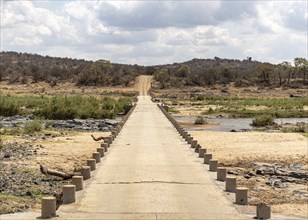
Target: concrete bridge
point(150, 172)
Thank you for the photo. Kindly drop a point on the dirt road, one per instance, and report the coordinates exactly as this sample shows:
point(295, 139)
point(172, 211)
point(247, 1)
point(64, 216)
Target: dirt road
point(143, 84)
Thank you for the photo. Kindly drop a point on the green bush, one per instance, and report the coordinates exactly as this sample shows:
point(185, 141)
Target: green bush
point(1, 142)
point(8, 107)
point(63, 107)
point(200, 120)
point(33, 126)
point(263, 120)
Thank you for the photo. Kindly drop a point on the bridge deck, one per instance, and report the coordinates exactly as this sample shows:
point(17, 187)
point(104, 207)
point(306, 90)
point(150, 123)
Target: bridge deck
point(150, 173)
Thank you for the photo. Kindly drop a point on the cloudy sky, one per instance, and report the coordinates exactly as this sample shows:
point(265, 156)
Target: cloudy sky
point(156, 32)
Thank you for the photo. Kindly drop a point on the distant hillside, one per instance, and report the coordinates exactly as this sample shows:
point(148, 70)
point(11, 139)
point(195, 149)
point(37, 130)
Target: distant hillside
point(26, 68)
point(207, 72)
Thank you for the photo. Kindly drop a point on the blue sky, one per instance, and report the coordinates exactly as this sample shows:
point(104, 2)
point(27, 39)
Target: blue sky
point(156, 32)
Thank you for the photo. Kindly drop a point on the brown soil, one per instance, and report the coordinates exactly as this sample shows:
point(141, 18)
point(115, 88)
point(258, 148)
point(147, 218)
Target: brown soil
point(251, 91)
point(43, 88)
point(243, 153)
point(65, 152)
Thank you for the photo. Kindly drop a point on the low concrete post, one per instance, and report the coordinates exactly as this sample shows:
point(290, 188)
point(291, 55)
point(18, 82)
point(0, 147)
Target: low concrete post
point(185, 135)
point(213, 165)
point(263, 211)
point(91, 163)
point(202, 151)
point(197, 148)
point(101, 151)
point(241, 196)
point(96, 156)
point(69, 194)
point(207, 158)
point(189, 139)
point(110, 139)
point(194, 143)
point(221, 174)
point(85, 172)
point(48, 209)
point(105, 146)
point(78, 182)
point(230, 184)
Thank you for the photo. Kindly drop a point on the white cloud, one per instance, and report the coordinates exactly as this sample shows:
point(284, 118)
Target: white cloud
point(26, 41)
point(153, 32)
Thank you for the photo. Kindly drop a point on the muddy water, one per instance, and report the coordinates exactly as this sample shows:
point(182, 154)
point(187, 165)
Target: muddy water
point(238, 124)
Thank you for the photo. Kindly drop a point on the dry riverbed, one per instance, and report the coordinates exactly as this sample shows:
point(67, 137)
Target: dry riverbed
point(272, 165)
point(21, 182)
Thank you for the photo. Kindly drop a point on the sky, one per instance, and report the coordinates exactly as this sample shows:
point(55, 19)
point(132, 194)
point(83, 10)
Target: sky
point(157, 32)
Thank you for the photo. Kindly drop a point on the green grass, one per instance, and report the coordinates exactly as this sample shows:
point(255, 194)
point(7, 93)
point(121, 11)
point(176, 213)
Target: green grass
point(200, 120)
point(243, 107)
point(63, 107)
point(1, 142)
point(9, 203)
point(33, 126)
point(263, 120)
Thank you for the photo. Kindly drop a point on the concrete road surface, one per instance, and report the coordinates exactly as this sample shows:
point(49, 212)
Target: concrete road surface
point(150, 173)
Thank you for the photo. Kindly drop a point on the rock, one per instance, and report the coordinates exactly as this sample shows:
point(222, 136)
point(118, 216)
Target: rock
point(28, 193)
point(260, 188)
point(247, 176)
point(259, 172)
point(232, 172)
point(279, 184)
point(7, 155)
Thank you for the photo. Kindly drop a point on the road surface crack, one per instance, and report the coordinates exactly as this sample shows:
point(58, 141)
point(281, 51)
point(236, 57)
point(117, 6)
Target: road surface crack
point(153, 181)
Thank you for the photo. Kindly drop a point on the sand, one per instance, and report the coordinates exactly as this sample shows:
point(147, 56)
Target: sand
point(239, 151)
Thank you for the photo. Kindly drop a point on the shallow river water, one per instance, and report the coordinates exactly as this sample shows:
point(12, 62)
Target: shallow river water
point(228, 124)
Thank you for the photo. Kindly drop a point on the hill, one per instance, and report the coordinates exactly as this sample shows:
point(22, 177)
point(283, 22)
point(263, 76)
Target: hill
point(24, 68)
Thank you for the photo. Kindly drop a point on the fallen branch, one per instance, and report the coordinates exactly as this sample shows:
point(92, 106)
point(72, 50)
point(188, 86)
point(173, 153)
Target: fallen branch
point(97, 139)
point(57, 173)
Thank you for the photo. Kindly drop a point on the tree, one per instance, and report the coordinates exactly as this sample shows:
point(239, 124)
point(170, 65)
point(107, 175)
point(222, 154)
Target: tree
point(284, 70)
point(183, 71)
point(301, 65)
point(264, 71)
point(163, 77)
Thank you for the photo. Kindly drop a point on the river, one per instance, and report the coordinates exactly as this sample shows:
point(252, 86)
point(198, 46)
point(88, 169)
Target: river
point(238, 124)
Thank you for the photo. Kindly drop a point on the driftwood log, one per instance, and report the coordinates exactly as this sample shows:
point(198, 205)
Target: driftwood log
point(57, 173)
point(98, 138)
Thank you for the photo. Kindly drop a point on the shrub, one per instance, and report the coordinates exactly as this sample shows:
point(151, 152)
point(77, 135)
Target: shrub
point(8, 107)
point(63, 107)
point(200, 120)
point(1, 142)
point(263, 120)
point(34, 126)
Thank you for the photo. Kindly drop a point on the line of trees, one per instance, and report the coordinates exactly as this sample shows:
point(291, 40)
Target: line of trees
point(31, 68)
point(27, 68)
point(201, 72)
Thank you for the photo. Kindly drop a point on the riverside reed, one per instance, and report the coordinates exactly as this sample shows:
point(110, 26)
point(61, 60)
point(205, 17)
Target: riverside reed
point(251, 107)
point(63, 107)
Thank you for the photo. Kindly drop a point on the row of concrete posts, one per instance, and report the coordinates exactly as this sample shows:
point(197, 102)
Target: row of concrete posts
point(48, 208)
point(263, 211)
